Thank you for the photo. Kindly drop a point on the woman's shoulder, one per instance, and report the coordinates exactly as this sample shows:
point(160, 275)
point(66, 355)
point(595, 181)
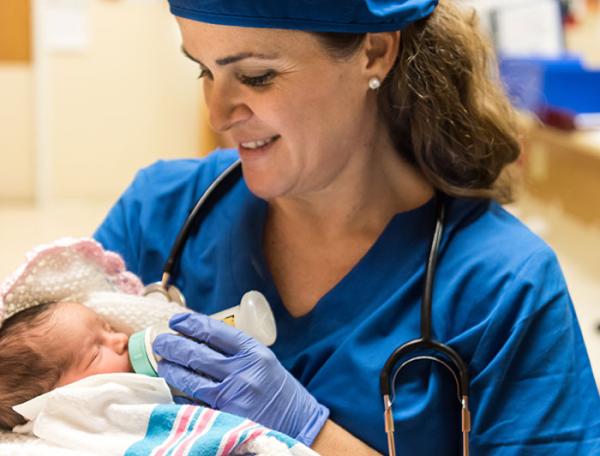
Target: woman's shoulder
point(495, 260)
point(499, 274)
point(146, 219)
point(167, 176)
point(493, 236)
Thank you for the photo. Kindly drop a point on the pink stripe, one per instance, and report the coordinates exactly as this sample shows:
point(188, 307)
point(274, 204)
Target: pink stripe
point(257, 433)
point(181, 426)
point(202, 426)
point(233, 436)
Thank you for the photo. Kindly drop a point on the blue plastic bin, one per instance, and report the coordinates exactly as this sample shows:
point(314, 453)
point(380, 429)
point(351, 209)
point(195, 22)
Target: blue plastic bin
point(562, 87)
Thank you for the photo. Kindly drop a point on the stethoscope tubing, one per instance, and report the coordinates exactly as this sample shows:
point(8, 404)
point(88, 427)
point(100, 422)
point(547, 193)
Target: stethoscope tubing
point(412, 350)
point(231, 171)
point(164, 287)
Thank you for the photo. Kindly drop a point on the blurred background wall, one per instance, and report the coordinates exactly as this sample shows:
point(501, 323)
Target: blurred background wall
point(103, 91)
point(16, 101)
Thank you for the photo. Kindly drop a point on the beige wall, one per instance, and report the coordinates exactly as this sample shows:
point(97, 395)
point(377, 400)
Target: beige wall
point(16, 140)
point(124, 101)
point(130, 99)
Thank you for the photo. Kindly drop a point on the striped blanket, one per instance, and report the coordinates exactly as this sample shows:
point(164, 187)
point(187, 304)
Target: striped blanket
point(134, 415)
point(180, 430)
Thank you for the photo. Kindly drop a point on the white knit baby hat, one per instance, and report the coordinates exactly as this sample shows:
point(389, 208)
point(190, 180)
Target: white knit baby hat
point(69, 268)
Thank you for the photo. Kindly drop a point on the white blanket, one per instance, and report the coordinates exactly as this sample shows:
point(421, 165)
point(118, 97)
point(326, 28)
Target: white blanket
point(113, 414)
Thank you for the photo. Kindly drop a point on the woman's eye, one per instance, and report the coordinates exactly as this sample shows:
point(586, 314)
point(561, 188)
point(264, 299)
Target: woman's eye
point(254, 81)
point(261, 80)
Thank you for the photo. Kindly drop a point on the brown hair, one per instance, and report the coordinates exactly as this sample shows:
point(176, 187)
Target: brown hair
point(26, 370)
point(446, 110)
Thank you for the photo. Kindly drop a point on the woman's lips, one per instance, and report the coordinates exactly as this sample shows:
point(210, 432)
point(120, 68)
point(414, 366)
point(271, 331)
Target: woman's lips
point(254, 148)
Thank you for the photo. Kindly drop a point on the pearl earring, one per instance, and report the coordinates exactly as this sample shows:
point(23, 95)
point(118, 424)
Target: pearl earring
point(374, 83)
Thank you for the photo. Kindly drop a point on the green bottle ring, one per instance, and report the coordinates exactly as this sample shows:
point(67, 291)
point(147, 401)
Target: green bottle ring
point(138, 355)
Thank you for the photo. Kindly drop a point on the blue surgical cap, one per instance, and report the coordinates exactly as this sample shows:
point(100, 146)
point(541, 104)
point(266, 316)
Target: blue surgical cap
point(350, 16)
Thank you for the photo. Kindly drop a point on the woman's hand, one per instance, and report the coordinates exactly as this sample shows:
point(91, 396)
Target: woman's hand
point(228, 370)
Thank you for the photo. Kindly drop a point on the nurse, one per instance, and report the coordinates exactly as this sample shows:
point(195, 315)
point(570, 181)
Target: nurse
point(348, 117)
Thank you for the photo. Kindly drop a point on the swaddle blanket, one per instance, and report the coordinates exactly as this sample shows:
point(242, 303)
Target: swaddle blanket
point(133, 415)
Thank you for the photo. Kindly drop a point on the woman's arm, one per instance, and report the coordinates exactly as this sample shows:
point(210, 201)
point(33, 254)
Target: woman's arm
point(335, 440)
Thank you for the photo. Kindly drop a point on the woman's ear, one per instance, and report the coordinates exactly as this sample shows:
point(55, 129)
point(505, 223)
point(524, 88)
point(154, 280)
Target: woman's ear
point(380, 51)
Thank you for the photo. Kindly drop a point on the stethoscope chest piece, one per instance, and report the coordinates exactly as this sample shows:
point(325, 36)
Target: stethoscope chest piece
point(165, 292)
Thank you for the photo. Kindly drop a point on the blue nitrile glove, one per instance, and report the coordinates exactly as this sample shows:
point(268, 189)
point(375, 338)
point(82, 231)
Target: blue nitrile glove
point(232, 372)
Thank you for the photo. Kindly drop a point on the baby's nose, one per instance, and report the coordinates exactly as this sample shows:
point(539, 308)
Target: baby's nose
point(119, 342)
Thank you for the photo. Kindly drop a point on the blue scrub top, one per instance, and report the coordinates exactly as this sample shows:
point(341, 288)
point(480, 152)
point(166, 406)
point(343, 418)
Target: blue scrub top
point(499, 299)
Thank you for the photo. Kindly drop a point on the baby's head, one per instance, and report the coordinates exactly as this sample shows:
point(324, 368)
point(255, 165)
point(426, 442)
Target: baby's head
point(52, 345)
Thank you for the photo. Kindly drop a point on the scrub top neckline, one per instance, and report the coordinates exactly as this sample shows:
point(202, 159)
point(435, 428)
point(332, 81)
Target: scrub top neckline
point(411, 222)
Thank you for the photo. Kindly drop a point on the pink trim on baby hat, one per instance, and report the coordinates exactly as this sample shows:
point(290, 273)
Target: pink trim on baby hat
point(82, 266)
point(113, 265)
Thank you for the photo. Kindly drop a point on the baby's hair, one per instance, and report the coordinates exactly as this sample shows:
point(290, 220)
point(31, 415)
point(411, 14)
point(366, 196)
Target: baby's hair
point(26, 370)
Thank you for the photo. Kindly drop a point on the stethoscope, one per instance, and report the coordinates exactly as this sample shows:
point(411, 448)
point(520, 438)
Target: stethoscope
point(406, 354)
point(440, 353)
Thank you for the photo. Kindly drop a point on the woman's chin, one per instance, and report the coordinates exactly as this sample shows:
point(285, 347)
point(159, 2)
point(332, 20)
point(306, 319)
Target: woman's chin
point(264, 185)
point(262, 191)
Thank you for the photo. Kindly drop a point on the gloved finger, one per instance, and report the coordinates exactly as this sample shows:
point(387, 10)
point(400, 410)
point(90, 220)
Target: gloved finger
point(217, 334)
point(193, 355)
point(189, 382)
point(181, 400)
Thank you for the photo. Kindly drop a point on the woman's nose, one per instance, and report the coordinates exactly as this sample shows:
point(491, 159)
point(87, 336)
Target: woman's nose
point(225, 108)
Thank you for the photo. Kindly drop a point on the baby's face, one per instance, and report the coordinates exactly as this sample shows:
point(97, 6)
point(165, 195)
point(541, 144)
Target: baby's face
point(96, 347)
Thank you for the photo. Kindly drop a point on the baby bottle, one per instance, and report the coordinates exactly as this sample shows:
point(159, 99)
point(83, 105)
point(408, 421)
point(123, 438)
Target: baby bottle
point(253, 316)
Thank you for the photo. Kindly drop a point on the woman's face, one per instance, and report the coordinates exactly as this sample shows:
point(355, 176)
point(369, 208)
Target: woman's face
point(281, 86)
point(93, 345)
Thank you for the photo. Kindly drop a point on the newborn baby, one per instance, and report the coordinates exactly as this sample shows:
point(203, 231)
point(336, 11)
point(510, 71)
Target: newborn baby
point(58, 315)
point(52, 345)
point(47, 337)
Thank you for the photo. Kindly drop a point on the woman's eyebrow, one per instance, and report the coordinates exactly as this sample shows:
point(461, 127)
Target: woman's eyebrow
point(233, 58)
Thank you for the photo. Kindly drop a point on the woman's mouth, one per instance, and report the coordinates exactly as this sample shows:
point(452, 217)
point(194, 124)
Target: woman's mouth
point(258, 145)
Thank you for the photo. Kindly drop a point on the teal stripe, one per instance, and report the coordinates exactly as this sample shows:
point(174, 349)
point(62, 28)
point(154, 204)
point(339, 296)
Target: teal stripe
point(159, 427)
point(191, 424)
point(163, 419)
point(290, 442)
point(245, 433)
point(209, 444)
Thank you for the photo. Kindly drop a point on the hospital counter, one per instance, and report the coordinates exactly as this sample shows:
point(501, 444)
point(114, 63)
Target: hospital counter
point(563, 168)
